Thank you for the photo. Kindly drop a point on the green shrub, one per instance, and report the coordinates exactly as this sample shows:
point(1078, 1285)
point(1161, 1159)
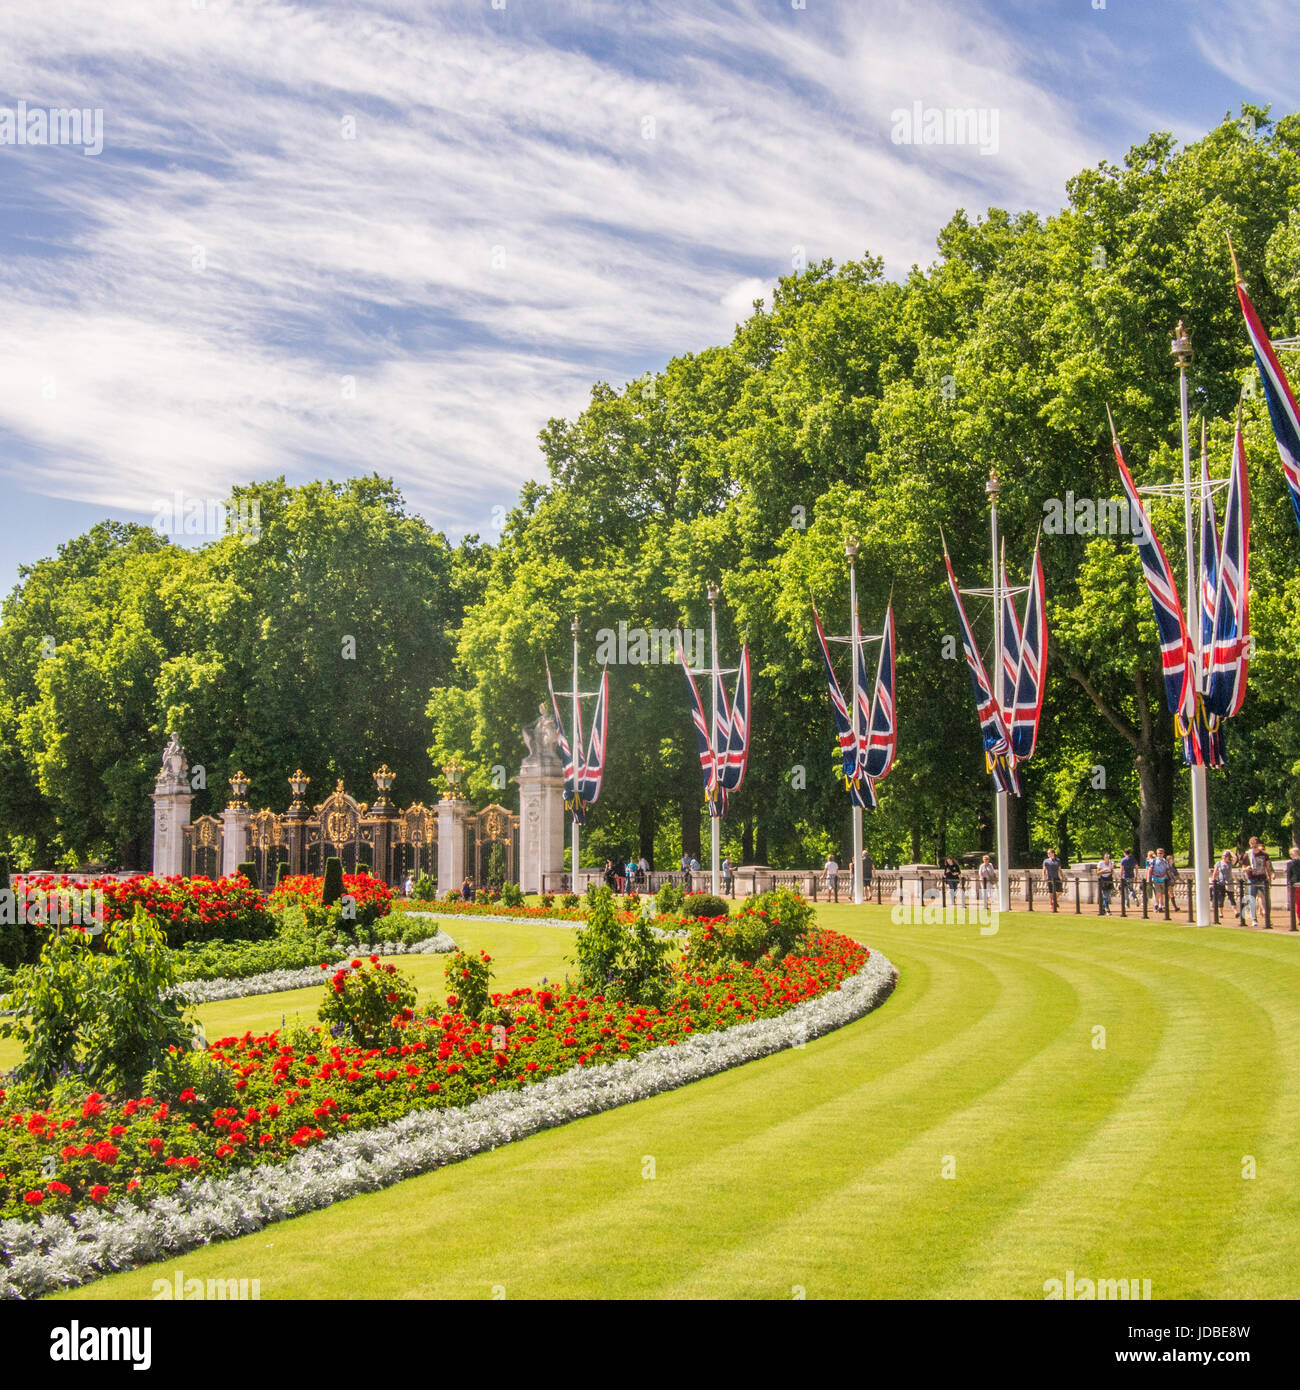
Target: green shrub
point(496, 865)
point(365, 999)
point(108, 1011)
point(511, 895)
point(453, 895)
point(620, 961)
point(704, 905)
point(248, 870)
point(332, 886)
point(632, 903)
point(669, 899)
point(281, 872)
point(426, 890)
point(569, 901)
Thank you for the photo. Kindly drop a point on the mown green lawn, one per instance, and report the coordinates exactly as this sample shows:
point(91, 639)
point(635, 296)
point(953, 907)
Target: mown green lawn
point(822, 1171)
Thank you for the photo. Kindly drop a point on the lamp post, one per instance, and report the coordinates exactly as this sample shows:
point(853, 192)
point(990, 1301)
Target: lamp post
point(851, 555)
point(1001, 805)
point(1181, 348)
point(575, 733)
point(239, 790)
point(715, 822)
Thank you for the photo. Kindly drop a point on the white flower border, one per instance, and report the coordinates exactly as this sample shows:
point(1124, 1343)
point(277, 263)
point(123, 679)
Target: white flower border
point(273, 981)
point(64, 1252)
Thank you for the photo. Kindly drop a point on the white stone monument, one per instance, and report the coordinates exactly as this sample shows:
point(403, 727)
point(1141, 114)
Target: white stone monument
point(171, 810)
point(541, 805)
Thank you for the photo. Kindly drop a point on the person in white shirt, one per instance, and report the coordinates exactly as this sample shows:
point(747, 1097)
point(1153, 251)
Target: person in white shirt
point(988, 877)
point(831, 874)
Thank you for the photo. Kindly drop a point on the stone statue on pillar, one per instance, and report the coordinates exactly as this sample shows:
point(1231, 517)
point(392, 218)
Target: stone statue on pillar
point(171, 810)
point(541, 804)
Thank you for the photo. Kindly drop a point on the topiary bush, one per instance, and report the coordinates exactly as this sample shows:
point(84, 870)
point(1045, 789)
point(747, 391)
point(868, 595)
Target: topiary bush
point(425, 888)
point(281, 872)
point(704, 906)
point(332, 888)
point(249, 871)
point(511, 895)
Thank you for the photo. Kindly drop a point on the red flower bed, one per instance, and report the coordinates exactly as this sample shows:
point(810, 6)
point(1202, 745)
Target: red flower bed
point(187, 909)
point(292, 1096)
point(305, 890)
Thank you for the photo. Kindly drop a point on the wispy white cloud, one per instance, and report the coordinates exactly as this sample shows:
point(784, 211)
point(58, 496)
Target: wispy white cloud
point(471, 213)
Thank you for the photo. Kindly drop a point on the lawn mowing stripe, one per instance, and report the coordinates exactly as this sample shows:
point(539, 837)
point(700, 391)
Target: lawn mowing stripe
point(800, 1168)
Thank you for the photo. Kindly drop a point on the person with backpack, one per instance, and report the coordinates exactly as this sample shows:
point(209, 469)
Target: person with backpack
point(1259, 878)
point(1105, 884)
point(1221, 882)
point(1052, 876)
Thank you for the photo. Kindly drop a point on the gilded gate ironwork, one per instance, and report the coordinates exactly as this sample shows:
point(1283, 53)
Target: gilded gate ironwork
point(202, 848)
point(338, 828)
point(413, 844)
point(492, 846)
point(267, 844)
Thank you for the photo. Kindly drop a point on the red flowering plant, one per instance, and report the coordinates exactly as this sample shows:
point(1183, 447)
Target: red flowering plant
point(469, 982)
point(293, 1089)
point(365, 898)
point(187, 909)
point(368, 1004)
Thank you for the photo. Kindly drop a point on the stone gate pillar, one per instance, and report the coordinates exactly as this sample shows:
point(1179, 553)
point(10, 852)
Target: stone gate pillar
point(452, 815)
point(541, 805)
point(171, 810)
point(234, 827)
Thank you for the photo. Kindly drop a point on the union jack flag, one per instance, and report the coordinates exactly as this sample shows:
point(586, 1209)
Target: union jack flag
point(1225, 691)
point(882, 727)
point(1282, 407)
point(593, 767)
point(998, 758)
point(840, 709)
point(733, 729)
point(713, 793)
point(1176, 656)
point(584, 770)
point(868, 743)
point(1025, 710)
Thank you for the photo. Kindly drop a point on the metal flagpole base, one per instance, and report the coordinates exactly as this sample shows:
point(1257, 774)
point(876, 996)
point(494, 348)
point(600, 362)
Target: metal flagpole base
point(1004, 865)
point(857, 855)
point(716, 856)
point(1201, 845)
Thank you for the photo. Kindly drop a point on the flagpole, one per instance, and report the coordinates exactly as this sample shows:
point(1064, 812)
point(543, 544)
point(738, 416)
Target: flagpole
point(1182, 351)
point(1001, 812)
point(715, 822)
point(851, 554)
point(574, 728)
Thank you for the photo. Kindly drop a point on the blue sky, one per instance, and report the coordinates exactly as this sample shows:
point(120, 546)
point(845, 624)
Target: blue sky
point(332, 238)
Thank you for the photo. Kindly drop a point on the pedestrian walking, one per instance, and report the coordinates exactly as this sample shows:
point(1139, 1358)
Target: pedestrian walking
point(1105, 884)
point(1222, 882)
point(868, 868)
point(988, 876)
point(1128, 876)
point(831, 876)
point(728, 877)
point(1259, 877)
point(1052, 876)
point(1159, 871)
